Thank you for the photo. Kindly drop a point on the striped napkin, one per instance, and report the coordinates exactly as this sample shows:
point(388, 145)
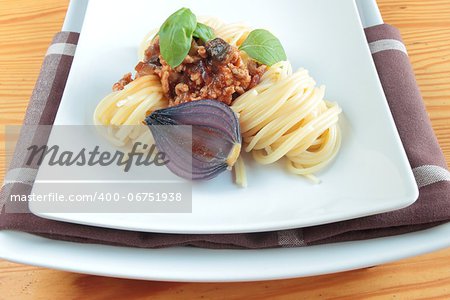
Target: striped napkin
point(396, 75)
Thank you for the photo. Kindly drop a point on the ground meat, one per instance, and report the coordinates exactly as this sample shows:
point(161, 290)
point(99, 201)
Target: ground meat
point(126, 79)
point(214, 70)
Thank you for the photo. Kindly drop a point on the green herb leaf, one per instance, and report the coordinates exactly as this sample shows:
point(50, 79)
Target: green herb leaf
point(204, 32)
point(175, 36)
point(264, 47)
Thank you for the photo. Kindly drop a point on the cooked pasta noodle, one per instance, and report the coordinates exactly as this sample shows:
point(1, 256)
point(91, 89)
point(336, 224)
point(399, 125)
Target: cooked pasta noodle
point(122, 111)
point(239, 173)
point(233, 33)
point(285, 116)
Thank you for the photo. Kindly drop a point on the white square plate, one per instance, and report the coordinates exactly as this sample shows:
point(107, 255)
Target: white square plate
point(213, 265)
point(371, 173)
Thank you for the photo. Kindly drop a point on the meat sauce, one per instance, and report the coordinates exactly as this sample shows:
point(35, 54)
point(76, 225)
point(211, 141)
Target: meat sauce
point(214, 70)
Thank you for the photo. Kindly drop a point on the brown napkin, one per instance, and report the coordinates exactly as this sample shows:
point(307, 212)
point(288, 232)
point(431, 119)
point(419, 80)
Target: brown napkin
point(396, 75)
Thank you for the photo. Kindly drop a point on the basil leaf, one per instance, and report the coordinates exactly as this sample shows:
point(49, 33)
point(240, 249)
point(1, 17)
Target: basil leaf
point(204, 32)
point(175, 36)
point(264, 47)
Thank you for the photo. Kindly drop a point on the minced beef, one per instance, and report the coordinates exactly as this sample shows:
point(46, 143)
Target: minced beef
point(126, 79)
point(214, 70)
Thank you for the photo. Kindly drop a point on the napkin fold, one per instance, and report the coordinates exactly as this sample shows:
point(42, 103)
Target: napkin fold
point(396, 75)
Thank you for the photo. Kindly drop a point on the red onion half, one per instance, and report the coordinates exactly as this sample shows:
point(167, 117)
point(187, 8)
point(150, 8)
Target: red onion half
point(212, 137)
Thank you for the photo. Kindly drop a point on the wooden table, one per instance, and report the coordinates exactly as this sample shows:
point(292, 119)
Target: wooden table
point(26, 29)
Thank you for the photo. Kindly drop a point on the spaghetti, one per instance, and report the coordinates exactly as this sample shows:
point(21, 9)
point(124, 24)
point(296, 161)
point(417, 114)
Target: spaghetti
point(121, 111)
point(284, 116)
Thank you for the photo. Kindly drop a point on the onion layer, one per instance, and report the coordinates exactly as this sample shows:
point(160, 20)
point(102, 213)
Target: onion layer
point(211, 136)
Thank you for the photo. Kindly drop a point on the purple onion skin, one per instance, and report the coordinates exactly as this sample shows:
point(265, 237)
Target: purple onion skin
point(212, 135)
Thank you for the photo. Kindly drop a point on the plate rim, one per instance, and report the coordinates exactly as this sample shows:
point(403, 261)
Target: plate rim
point(176, 263)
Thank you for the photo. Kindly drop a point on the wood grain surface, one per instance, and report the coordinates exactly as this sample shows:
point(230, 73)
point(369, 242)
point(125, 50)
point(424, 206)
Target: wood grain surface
point(26, 29)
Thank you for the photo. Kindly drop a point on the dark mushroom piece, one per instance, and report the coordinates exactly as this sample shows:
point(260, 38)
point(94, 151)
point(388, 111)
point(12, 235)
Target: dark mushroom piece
point(217, 49)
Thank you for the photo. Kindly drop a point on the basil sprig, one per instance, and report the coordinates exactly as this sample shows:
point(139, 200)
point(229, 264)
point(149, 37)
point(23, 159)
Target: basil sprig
point(203, 32)
point(175, 36)
point(264, 47)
